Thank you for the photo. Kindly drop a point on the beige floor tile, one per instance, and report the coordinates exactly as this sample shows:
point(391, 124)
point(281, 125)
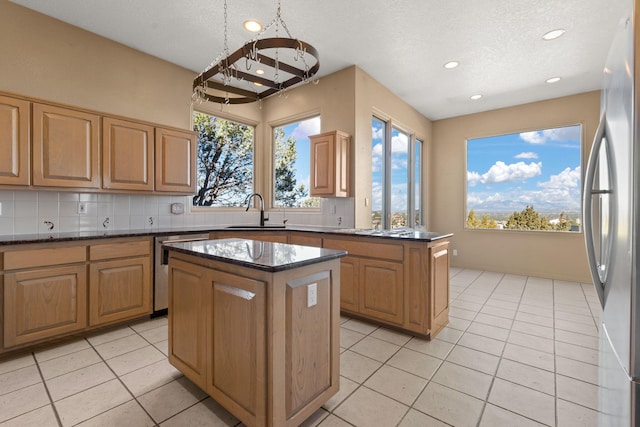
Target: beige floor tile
point(579, 328)
point(346, 388)
point(531, 341)
point(524, 401)
point(166, 401)
point(315, 419)
point(42, 417)
point(488, 319)
point(582, 309)
point(528, 376)
point(68, 363)
point(359, 326)
point(462, 313)
point(534, 319)
point(79, 380)
point(577, 339)
point(494, 416)
point(472, 298)
point(127, 414)
point(474, 359)
point(572, 415)
point(575, 369)
point(375, 349)
point(349, 337)
point(135, 359)
point(450, 406)
point(89, 403)
point(163, 346)
point(205, 413)
point(466, 305)
point(394, 337)
point(449, 334)
point(497, 311)
point(508, 305)
point(61, 350)
point(528, 356)
point(333, 421)
point(415, 363)
point(396, 384)
point(480, 343)
point(436, 347)
point(463, 379)
point(110, 335)
point(538, 311)
point(418, 419)
point(22, 401)
point(576, 352)
point(161, 333)
point(357, 367)
point(365, 407)
point(150, 377)
point(578, 318)
point(576, 391)
point(120, 346)
point(531, 329)
point(16, 362)
point(458, 323)
point(20, 378)
point(144, 325)
point(488, 331)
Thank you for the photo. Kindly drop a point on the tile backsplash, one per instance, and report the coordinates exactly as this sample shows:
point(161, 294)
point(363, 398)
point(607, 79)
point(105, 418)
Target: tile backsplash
point(26, 212)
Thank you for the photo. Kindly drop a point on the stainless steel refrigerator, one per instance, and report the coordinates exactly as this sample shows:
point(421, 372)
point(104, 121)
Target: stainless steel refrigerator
point(611, 213)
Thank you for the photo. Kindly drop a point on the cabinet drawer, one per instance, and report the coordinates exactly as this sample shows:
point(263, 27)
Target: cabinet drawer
point(366, 248)
point(29, 258)
point(119, 250)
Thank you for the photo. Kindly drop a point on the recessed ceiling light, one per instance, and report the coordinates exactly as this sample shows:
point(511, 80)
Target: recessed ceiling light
point(252, 25)
point(259, 71)
point(553, 80)
point(257, 83)
point(476, 96)
point(451, 64)
point(552, 35)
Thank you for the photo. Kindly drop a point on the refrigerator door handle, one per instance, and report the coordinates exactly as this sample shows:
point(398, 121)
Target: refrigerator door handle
point(587, 197)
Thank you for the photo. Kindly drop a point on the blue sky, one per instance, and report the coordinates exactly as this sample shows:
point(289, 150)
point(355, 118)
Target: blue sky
point(399, 167)
point(506, 173)
point(301, 131)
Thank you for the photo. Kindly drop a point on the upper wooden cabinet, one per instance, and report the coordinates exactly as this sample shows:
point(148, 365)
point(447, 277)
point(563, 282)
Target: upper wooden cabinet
point(175, 161)
point(65, 147)
point(127, 155)
point(330, 164)
point(14, 141)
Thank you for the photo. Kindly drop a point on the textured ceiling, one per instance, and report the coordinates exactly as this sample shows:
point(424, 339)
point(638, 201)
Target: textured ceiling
point(401, 43)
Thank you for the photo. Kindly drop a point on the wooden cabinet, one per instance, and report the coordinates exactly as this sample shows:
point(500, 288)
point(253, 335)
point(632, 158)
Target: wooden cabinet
point(65, 147)
point(330, 164)
point(120, 281)
point(305, 239)
point(43, 297)
point(127, 155)
point(439, 285)
point(349, 290)
point(15, 117)
point(381, 285)
point(175, 161)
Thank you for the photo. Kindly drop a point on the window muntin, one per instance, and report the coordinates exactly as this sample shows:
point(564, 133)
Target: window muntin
point(225, 175)
point(525, 181)
point(396, 176)
point(292, 162)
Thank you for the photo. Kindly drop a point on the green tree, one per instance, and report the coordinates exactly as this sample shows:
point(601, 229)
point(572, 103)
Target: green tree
point(225, 161)
point(288, 192)
point(472, 221)
point(564, 223)
point(487, 223)
point(527, 219)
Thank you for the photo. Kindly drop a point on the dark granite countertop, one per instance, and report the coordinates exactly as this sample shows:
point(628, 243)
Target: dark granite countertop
point(407, 234)
point(265, 256)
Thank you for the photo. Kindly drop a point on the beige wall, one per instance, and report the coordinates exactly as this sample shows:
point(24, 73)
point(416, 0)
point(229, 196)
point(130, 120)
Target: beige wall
point(555, 255)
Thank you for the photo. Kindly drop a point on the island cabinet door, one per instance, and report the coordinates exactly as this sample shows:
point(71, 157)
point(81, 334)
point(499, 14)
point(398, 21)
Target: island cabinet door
point(237, 348)
point(349, 284)
point(188, 317)
point(381, 290)
point(439, 286)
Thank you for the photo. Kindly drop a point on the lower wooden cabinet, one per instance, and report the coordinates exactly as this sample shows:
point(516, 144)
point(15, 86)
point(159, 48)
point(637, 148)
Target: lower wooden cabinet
point(381, 290)
point(349, 292)
point(43, 303)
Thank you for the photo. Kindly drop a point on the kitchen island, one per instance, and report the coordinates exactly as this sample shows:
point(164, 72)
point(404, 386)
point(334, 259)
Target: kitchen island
point(256, 325)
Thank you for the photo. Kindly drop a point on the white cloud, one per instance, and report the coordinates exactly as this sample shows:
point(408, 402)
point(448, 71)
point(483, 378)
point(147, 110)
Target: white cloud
point(377, 133)
point(568, 178)
point(306, 128)
point(400, 143)
point(526, 155)
point(502, 172)
point(534, 137)
point(377, 150)
point(568, 133)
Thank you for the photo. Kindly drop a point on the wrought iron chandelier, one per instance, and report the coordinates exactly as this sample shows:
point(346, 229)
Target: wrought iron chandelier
point(265, 66)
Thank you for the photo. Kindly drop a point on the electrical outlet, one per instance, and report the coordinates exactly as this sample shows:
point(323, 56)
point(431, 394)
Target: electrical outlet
point(312, 295)
point(82, 208)
point(0, 208)
point(455, 252)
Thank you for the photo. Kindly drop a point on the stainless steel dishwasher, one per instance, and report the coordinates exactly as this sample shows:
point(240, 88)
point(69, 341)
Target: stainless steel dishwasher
point(161, 279)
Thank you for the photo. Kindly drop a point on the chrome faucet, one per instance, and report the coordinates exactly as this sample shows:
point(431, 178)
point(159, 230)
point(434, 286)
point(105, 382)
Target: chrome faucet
point(248, 202)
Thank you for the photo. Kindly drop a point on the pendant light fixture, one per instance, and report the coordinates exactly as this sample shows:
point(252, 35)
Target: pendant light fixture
point(233, 78)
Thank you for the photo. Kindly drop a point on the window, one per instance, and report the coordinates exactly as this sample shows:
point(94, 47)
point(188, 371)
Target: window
point(292, 150)
point(525, 181)
point(396, 166)
point(224, 161)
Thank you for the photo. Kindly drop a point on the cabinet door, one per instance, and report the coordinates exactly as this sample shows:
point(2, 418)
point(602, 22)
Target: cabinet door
point(175, 161)
point(349, 284)
point(305, 239)
point(322, 165)
point(381, 290)
point(439, 286)
point(43, 303)
point(119, 289)
point(127, 155)
point(15, 115)
point(342, 179)
point(65, 147)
